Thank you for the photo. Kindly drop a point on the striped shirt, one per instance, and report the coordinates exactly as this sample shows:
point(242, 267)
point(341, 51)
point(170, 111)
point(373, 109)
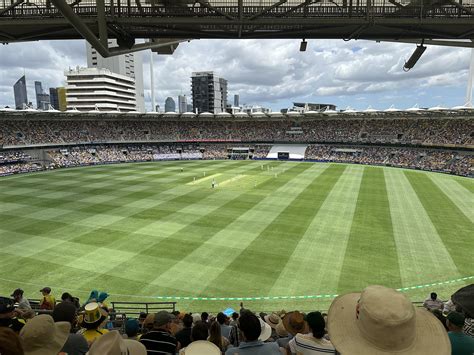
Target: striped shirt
point(159, 342)
point(306, 344)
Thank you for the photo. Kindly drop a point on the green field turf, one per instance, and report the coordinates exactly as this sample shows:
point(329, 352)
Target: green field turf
point(268, 229)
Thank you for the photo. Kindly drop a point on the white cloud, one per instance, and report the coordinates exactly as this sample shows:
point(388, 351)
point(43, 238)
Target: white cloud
point(269, 72)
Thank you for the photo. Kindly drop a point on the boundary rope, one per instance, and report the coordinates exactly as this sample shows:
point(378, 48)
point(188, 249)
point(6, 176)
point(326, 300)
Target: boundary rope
point(256, 298)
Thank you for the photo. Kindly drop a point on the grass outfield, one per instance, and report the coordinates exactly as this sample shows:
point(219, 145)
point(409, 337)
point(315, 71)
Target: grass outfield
point(268, 229)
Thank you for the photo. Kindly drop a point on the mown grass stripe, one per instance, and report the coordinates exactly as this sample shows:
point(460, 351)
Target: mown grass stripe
point(257, 267)
point(467, 183)
point(320, 253)
point(220, 250)
point(457, 193)
point(371, 234)
point(454, 228)
point(174, 245)
point(422, 254)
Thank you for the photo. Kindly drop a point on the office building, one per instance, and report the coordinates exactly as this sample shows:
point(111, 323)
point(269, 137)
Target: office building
point(182, 104)
point(57, 97)
point(236, 100)
point(127, 64)
point(170, 105)
point(209, 92)
point(189, 107)
point(19, 90)
point(91, 88)
point(42, 98)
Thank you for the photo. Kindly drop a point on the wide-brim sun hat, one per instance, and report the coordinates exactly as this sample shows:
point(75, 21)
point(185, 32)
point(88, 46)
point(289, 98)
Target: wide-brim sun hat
point(280, 330)
point(464, 297)
point(202, 347)
point(265, 332)
point(112, 343)
point(294, 323)
point(272, 320)
point(383, 321)
point(42, 336)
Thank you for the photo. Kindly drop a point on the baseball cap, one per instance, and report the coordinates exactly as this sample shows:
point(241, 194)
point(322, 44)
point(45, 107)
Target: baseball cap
point(18, 291)
point(456, 318)
point(162, 318)
point(46, 289)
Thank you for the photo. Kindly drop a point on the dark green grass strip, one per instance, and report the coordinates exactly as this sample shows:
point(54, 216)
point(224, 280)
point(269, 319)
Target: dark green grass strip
point(371, 255)
point(172, 249)
point(467, 183)
point(454, 228)
point(260, 264)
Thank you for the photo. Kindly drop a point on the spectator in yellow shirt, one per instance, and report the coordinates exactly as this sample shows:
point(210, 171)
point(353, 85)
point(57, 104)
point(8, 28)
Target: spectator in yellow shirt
point(48, 301)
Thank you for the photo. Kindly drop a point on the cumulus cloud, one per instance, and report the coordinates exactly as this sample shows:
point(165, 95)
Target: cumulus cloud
point(270, 73)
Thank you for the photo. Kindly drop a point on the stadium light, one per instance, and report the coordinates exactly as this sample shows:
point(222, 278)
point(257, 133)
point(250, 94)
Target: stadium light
point(303, 45)
point(414, 57)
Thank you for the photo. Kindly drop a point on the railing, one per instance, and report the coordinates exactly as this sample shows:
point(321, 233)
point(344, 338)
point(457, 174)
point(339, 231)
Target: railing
point(135, 308)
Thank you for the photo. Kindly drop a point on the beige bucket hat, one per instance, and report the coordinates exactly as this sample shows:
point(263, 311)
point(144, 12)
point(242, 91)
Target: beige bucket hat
point(41, 336)
point(383, 321)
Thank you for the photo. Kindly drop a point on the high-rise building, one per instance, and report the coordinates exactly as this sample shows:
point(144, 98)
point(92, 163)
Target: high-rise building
point(126, 64)
point(170, 105)
point(209, 92)
point(42, 98)
point(19, 89)
point(91, 88)
point(53, 98)
point(57, 97)
point(182, 104)
point(236, 100)
point(189, 108)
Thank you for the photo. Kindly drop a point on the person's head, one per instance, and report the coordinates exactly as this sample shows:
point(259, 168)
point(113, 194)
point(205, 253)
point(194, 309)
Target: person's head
point(132, 327)
point(204, 316)
point(45, 291)
point(17, 294)
point(316, 323)
point(199, 331)
point(112, 343)
point(41, 335)
point(65, 312)
point(142, 317)
point(383, 320)
point(94, 316)
point(455, 321)
point(9, 342)
point(7, 308)
point(221, 318)
point(235, 316)
point(163, 321)
point(148, 323)
point(433, 296)
point(250, 326)
point(187, 320)
point(66, 296)
point(215, 333)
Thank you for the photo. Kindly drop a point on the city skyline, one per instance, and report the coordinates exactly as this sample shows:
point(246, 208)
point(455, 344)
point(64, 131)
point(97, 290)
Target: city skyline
point(272, 73)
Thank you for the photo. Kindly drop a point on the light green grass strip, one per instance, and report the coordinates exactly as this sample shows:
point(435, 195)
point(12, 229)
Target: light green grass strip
point(316, 262)
point(236, 236)
point(460, 195)
point(453, 227)
point(371, 234)
point(421, 252)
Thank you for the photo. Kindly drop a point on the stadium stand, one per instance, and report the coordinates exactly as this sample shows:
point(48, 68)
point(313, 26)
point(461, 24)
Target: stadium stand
point(33, 142)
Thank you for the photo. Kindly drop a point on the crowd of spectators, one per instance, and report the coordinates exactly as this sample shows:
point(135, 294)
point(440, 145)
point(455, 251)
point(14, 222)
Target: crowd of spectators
point(455, 162)
point(448, 161)
point(437, 131)
point(374, 321)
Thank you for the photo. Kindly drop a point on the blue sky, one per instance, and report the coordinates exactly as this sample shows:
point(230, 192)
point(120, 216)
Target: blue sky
point(271, 73)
